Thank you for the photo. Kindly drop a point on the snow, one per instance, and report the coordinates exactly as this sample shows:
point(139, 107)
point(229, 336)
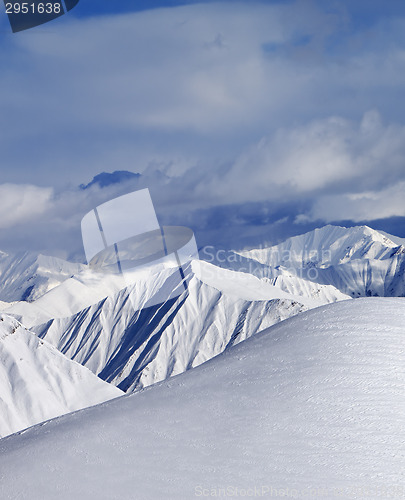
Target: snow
point(368, 277)
point(326, 246)
point(28, 276)
point(70, 297)
point(132, 346)
point(5, 305)
point(244, 285)
point(95, 321)
point(37, 382)
point(396, 239)
point(358, 262)
point(314, 404)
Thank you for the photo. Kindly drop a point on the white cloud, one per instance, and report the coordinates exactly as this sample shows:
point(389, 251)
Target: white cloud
point(331, 155)
point(339, 168)
point(21, 203)
point(359, 207)
point(161, 68)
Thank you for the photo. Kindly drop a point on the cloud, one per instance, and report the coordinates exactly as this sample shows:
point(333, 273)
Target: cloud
point(195, 84)
point(372, 205)
point(331, 169)
point(333, 155)
point(247, 109)
point(41, 219)
point(20, 204)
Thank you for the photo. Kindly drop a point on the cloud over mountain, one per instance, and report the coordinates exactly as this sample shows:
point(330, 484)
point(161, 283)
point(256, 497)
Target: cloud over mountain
point(288, 111)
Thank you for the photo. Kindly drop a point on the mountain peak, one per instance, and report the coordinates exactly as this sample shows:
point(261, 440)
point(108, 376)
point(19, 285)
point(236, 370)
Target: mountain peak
point(28, 275)
point(106, 179)
point(8, 326)
point(325, 246)
point(37, 382)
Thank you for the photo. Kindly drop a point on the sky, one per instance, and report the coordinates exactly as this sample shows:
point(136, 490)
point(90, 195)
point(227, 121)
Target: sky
point(248, 121)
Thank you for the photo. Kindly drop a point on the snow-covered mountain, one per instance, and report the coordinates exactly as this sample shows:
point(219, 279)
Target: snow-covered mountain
point(358, 261)
point(37, 382)
point(133, 346)
point(314, 405)
point(28, 276)
point(123, 341)
point(93, 319)
point(327, 246)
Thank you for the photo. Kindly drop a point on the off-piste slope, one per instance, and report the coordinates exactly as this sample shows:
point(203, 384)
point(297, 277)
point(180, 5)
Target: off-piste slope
point(38, 383)
point(314, 406)
point(133, 346)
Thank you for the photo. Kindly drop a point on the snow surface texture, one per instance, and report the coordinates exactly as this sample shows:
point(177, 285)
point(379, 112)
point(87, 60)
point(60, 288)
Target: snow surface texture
point(314, 405)
point(38, 383)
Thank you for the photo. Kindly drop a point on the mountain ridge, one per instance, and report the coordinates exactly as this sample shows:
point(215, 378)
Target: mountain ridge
point(37, 382)
point(315, 403)
point(97, 320)
point(27, 276)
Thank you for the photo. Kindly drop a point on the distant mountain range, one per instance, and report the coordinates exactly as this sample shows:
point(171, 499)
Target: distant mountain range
point(358, 261)
point(28, 276)
point(98, 322)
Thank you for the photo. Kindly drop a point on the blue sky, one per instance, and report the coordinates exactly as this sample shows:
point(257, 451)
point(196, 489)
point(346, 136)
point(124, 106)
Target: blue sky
point(248, 121)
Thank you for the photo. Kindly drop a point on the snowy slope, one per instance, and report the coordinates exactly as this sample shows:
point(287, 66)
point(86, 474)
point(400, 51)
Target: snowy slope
point(91, 319)
point(70, 297)
point(294, 281)
point(356, 278)
point(88, 288)
point(315, 404)
point(396, 239)
point(5, 305)
point(37, 382)
point(326, 246)
point(132, 346)
point(384, 278)
point(358, 261)
point(28, 276)
point(263, 286)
